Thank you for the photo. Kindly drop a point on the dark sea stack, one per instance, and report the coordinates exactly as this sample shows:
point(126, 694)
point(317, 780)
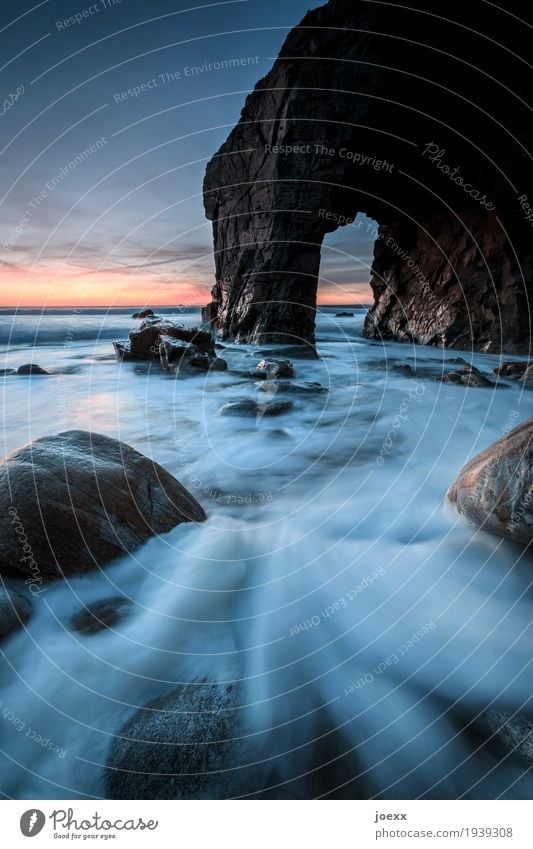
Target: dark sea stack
point(468, 375)
point(15, 610)
point(416, 117)
point(75, 501)
point(494, 491)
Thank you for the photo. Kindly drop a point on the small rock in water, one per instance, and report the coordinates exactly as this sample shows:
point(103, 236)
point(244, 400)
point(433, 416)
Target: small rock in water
point(273, 387)
point(143, 314)
point(31, 368)
point(467, 375)
point(100, 615)
point(276, 368)
point(15, 610)
point(344, 315)
point(494, 491)
point(253, 408)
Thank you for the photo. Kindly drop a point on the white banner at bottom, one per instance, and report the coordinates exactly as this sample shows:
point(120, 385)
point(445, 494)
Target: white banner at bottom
point(268, 824)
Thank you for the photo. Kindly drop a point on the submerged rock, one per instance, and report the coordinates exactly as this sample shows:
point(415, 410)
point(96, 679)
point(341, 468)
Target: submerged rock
point(494, 491)
point(75, 501)
point(143, 314)
point(101, 615)
point(183, 359)
point(31, 368)
point(190, 744)
point(15, 610)
point(254, 408)
point(467, 375)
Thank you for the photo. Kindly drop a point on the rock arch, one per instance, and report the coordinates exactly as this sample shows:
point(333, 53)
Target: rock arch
point(415, 119)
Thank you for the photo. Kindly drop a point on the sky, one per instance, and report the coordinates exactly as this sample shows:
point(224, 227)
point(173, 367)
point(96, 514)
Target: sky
point(106, 128)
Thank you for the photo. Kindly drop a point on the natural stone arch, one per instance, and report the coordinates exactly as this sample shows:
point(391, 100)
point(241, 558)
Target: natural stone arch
point(331, 131)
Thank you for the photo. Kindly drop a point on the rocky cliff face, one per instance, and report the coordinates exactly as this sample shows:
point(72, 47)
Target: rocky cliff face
point(415, 117)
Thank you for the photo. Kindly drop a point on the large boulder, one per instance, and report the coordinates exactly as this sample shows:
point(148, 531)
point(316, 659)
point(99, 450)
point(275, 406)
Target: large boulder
point(145, 341)
point(74, 501)
point(15, 610)
point(494, 491)
point(186, 745)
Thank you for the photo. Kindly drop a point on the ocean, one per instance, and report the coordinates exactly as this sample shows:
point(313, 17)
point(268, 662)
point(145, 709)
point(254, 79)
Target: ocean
point(331, 578)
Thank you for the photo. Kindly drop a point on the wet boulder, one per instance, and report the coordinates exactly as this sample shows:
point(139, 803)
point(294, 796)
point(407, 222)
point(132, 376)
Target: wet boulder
point(494, 491)
point(75, 501)
point(190, 744)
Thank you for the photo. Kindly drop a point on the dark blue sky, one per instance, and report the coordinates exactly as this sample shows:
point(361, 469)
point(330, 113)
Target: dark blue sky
point(101, 198)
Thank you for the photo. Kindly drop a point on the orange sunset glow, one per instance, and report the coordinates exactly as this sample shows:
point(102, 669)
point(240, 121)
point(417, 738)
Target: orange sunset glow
point(65, 287)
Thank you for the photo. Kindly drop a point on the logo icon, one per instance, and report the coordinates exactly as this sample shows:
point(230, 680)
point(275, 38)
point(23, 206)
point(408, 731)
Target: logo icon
point(32, 822)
